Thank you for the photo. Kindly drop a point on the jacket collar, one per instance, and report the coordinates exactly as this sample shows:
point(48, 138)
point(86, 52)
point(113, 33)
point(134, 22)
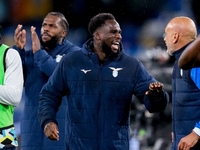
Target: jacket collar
point(178, 53)
point(56, 49)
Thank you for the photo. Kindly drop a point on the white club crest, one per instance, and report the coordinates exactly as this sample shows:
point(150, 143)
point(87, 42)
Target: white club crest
point(115, 71)
point(59, 57)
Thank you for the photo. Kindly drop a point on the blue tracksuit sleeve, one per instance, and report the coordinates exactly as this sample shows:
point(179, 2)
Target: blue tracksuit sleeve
point(50, 97)
point(155, 101)
point(27, 60)
point(45, 62)
point(195, 74)
point(20, 51)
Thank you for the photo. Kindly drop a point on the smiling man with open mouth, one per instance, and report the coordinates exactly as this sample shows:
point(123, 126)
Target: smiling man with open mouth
point(99, 81)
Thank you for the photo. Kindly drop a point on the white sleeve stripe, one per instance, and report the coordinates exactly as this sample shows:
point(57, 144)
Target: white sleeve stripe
point(197, 131)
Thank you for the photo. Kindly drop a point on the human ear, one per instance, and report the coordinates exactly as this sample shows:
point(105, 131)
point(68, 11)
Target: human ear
point(175, 37)
point(64, 33)
point(97, 36)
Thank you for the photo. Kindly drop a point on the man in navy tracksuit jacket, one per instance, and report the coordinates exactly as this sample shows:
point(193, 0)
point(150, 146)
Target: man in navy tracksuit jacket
point(39, 64)
point(99, 81)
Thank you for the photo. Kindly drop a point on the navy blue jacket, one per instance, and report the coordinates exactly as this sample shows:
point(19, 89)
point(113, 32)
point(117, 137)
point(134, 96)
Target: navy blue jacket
point(185, 101)
point(99, 98)
point(38, 67)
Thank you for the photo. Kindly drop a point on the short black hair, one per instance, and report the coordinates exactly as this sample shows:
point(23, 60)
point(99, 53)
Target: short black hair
point(99, 20)
point(64, 22)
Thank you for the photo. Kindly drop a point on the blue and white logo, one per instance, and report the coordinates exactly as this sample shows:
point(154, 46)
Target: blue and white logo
point(115, 71)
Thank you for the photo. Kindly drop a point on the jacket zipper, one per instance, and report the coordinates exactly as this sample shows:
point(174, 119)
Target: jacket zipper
point(99, 110)
point(174, 105)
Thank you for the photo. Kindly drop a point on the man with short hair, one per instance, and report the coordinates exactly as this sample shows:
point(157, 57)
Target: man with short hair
point(99, 81)
point(38, 65)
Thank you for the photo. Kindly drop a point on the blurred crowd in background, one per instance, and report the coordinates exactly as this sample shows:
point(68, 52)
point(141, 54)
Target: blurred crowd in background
point(142, 23)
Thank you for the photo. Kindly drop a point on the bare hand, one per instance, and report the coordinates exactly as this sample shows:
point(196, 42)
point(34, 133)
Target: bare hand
point(188, 141)
point(20, 37)
point(156, 86)
point(51, 131)
point(35, 40)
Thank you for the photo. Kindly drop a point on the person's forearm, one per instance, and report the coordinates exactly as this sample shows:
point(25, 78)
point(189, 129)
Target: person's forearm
point(155, 102)
point(189, 57)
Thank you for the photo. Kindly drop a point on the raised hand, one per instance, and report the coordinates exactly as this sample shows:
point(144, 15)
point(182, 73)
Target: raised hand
point(20, 37)
point(155, 87)
point(35, 40)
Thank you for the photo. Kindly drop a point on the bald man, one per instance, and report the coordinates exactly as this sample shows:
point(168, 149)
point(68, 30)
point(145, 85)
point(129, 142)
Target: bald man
point(180, 32)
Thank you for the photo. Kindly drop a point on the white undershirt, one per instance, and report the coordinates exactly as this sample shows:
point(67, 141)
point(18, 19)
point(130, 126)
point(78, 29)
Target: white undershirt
point(11, 91)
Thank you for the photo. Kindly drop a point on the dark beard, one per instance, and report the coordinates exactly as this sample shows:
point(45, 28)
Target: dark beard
point(49, 45)
point(108, 51)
